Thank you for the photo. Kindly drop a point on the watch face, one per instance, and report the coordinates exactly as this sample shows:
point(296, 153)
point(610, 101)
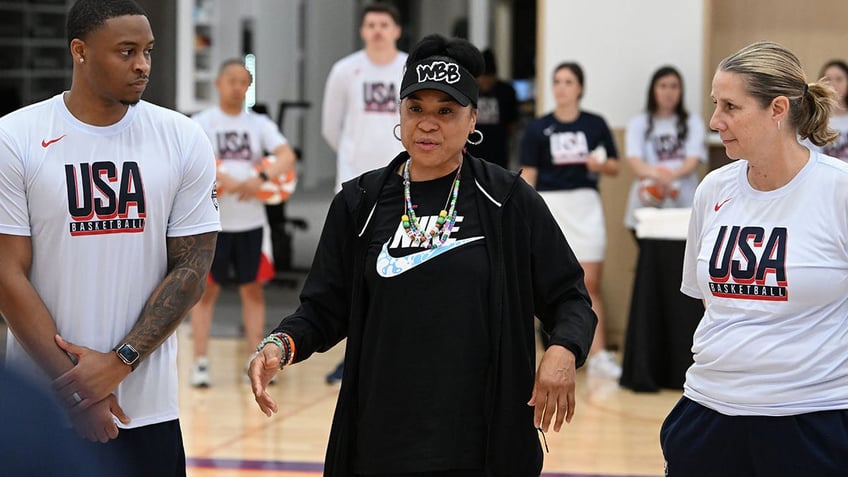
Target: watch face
point(127, 353)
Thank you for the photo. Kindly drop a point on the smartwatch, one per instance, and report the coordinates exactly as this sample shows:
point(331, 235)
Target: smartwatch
point(128, 354)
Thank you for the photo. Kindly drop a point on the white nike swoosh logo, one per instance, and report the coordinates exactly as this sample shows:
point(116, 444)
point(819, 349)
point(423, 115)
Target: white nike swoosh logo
point(388, 266)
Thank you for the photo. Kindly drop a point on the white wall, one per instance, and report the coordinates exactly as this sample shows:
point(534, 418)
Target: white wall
point(228, 34)
point(275, 30)
point(328, 33)
point(619, 44)
point(332, 31)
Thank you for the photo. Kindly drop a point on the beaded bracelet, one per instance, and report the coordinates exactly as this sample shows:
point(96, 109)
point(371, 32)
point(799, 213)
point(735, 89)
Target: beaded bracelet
point(271, 339)
point(284, 342)
point(288, 342)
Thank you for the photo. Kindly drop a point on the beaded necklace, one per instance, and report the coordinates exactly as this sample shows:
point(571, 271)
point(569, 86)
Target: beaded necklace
point(439, 232)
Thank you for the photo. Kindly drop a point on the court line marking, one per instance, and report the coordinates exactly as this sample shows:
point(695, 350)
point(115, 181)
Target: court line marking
point(317, 468)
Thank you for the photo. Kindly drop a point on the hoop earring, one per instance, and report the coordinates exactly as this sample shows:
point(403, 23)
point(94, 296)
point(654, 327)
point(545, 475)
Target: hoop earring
point(477, 142)
point(394, 131)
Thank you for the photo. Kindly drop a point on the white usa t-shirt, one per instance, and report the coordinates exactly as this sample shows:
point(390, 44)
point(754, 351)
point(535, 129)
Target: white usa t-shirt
point(772, 268)
point(359, 112)
point(98, 204)
point(240, 142)
point(663, 148)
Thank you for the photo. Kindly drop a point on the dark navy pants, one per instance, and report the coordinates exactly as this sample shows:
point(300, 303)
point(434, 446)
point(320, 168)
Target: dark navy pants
point(697, 441)
point(154, 450)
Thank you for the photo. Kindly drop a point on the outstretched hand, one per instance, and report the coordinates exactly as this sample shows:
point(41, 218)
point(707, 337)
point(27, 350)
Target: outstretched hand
point(264, 366)
point(553, 391)
point(92, 379)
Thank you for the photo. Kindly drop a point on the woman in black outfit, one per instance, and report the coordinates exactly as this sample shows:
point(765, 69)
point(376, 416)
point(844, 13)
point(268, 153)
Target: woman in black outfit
point(433, 269)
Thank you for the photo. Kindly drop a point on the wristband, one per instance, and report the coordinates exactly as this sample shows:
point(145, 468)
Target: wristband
point(288, 342)
point(270, 339)
point(284, 342)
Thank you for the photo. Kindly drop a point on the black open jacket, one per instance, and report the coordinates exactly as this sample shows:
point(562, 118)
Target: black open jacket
point(533, 273)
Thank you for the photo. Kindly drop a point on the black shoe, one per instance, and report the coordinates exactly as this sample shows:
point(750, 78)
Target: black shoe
point(336, 376)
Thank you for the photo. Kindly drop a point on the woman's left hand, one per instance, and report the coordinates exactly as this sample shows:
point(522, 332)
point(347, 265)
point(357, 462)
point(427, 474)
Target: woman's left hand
point(553, 391)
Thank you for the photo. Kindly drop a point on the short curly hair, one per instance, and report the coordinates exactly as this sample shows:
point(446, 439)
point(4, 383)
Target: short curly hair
point(87, 16)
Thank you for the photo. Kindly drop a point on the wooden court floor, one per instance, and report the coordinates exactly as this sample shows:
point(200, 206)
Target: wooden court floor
point(614, 432)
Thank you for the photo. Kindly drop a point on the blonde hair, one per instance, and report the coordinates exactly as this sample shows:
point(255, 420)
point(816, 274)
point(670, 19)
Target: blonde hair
point(771, 70)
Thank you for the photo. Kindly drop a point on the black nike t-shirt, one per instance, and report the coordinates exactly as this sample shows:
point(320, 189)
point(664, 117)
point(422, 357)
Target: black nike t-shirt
point(425, 350)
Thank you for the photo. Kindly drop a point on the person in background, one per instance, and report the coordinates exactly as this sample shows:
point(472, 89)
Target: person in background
point(563, 154)
point(497, 115)
point(835, 74)
point(360, 97)
point(239, 138)
point(438, 299)
point(768, 391)
point(665, 144)
point(360, 103)
point(108, 222)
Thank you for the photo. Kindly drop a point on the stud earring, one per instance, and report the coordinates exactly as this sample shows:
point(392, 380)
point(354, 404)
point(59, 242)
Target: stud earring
point(82, 60)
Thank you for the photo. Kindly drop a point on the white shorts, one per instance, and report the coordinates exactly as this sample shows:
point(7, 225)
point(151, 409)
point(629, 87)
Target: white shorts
point(580, 215)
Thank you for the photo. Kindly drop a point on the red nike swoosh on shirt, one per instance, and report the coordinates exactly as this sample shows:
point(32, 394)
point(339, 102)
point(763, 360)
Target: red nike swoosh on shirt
point(718, 205)
point(45, 143)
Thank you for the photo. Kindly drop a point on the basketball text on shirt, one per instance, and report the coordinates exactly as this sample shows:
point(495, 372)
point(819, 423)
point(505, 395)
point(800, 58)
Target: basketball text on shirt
point(569, 147)
point(102, 202)
point(488, 111)
point(380, 97)
point(668, 147)
point(233, 145)
point(742, 267)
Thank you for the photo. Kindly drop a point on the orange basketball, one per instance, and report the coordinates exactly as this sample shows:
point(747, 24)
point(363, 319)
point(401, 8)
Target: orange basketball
point(650, 193)
point(653, 194)
point(278, 189)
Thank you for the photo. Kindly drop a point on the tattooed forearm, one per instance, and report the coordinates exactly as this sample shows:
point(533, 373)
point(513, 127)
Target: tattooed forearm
point(189, 259)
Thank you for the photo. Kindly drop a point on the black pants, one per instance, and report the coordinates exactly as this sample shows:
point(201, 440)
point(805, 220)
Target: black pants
point(697, 441)
point(154, 450)
point(661, 322)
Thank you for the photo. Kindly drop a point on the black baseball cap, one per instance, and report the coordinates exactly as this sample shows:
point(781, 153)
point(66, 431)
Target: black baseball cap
point(443, 74)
